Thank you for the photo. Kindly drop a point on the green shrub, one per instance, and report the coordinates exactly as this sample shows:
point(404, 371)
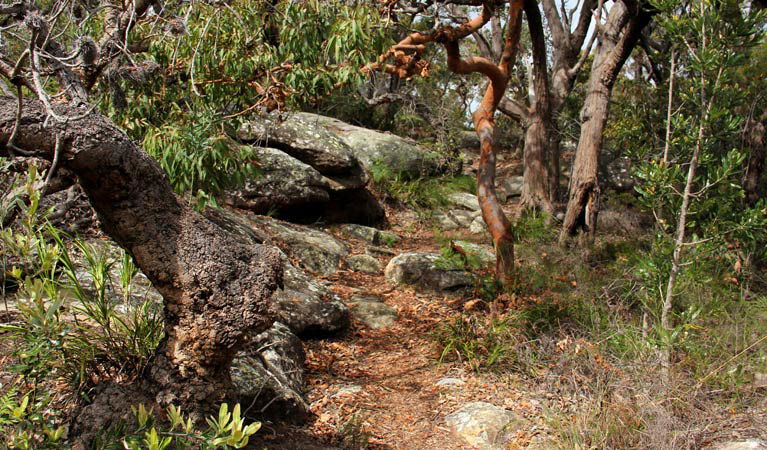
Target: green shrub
point(422, 194)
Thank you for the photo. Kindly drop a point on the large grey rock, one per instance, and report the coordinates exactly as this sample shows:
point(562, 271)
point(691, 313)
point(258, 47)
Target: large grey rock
point(422, 269)
point(482, 425)
point(318, 251)
point(303, 137)
point(269, 376)
point(284, 182)
point(370, 310)
point(402, 156)
point(304, 305)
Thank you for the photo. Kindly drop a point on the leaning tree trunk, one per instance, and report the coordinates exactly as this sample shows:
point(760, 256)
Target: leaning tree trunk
point(617, 40)
point(215, 289)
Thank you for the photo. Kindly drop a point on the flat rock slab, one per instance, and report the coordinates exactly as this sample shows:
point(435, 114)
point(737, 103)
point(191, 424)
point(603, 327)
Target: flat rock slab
point(482, 425)
point(318, 251)
point(370, 310)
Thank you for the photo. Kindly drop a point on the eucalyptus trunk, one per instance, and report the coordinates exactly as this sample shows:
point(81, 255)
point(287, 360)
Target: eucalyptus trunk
point(616, 41)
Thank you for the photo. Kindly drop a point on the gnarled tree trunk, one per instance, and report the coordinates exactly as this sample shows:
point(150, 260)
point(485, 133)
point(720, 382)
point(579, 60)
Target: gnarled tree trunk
point(216, 289)
point(406, 55)
point(616, 41)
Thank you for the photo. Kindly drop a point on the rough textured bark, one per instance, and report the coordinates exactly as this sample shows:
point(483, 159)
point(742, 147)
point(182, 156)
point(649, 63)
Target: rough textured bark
point(535, 185)
point(216, 289)
point(616, 41)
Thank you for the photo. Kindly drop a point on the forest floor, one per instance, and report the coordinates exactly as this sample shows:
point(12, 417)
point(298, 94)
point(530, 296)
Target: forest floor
point(567, 350)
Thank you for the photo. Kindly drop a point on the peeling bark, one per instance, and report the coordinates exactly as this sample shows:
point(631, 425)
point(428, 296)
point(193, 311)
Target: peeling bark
point(216, 289)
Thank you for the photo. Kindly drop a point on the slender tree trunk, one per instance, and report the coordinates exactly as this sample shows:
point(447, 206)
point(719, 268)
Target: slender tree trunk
point(617, 40)
point(216, 290)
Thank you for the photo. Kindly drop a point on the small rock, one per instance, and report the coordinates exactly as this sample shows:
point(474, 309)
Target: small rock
point(348, 390)
point(445, 222)
point(750, 444)
point(462, 217)
point(363, 263)
point(371, 235)
point(512, 186)
point(481, 424)
point(464, 200)
point(422, 269)
point(370, 310)
point(484, 254)
point(478, 226)
point(450, 382)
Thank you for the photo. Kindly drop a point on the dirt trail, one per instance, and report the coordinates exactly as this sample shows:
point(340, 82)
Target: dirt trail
point(380, 385)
